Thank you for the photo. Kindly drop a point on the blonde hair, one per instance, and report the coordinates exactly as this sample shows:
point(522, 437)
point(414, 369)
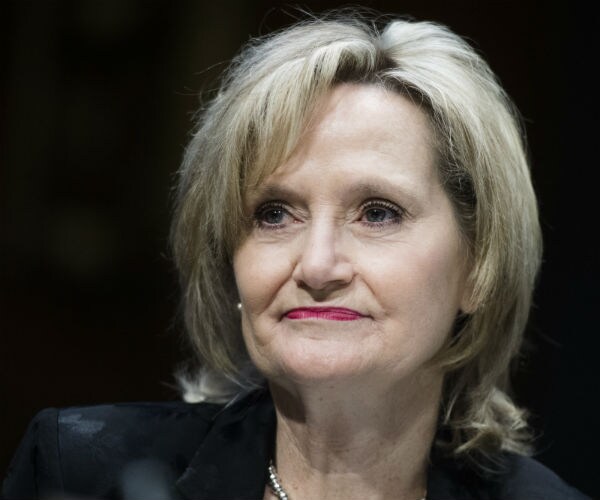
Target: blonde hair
point(254, 121)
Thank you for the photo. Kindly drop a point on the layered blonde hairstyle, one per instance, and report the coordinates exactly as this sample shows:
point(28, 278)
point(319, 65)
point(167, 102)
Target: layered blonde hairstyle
point(255, 120)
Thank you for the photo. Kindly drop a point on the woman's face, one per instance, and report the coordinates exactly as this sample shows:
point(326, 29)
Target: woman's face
point(354, 266)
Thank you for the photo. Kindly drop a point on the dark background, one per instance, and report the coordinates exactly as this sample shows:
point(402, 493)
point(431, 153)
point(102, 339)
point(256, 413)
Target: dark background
point(96, 100)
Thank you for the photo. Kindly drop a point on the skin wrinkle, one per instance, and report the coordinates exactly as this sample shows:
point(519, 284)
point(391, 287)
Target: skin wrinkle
point(355, 397)
point(356, 191)
point(478, 148)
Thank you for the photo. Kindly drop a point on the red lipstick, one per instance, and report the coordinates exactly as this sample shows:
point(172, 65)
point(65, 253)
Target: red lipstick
point(330, 313)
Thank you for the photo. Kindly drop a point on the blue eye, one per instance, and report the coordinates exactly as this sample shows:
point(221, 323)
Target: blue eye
point(271, 215)
point(380, 212)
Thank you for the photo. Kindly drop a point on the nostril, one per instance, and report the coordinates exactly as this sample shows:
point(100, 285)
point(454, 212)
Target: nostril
point(323, 278)
point(322, 263)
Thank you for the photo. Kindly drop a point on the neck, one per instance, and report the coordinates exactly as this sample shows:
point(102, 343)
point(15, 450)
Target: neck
point(356, 442)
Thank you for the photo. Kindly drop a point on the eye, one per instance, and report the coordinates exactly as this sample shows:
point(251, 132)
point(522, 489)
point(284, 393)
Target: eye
point(271, 215)
point(380, 212)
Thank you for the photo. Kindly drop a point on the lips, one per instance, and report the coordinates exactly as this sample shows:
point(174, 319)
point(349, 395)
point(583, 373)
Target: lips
point(326, 313)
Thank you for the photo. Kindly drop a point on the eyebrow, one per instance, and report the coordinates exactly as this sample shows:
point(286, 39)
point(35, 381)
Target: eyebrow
point(363, 189)
point(373, 188)
point(272, 191)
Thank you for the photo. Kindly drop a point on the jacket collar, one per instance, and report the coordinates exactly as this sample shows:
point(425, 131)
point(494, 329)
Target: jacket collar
point(233, 458)
point(231, 463)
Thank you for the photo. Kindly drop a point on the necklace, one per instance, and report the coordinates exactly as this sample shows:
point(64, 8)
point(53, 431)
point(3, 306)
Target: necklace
point(274, 483)
point(277, 488)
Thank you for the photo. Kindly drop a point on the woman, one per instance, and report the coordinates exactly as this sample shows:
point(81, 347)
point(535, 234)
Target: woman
point(357, 239)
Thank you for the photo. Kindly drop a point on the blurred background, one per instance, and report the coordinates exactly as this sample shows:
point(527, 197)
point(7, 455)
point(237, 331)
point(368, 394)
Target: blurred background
point(96, 104)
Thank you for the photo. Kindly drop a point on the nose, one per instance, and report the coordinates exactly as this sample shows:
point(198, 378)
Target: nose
point(322, 264)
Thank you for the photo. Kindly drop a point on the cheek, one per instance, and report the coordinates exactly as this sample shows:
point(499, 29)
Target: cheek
point(421, 283)
point(260, 271)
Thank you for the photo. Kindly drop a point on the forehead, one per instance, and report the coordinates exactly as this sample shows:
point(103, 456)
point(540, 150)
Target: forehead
point(361, 131)
point(381, 117)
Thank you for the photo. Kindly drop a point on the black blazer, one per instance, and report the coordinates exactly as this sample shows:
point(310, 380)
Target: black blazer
point(179, 451)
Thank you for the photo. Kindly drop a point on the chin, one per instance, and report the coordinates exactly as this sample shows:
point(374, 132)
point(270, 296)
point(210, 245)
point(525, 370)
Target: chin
point(315, 364)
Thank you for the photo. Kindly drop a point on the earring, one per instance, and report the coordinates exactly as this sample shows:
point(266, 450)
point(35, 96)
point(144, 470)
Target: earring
point(239, 306)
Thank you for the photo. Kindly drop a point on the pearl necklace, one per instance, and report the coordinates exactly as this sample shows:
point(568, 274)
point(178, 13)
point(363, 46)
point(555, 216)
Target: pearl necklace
point(277, 488)
point(274, 483)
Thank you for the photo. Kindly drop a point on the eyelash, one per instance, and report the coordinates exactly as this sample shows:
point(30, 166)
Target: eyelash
point(262, 209)
point(396, 212)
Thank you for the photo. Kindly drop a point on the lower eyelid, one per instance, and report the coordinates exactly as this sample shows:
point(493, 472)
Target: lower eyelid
point(395, 212)
point(395, 220)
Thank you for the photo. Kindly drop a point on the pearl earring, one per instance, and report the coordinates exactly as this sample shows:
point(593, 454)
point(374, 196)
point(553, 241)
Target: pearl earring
point(239, 306)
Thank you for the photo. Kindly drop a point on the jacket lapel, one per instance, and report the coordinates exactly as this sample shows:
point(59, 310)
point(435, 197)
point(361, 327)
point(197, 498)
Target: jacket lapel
point(232, 460)
point(231, 463)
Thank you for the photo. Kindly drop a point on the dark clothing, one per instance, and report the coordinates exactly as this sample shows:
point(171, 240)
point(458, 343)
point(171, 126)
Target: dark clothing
point(179, 450)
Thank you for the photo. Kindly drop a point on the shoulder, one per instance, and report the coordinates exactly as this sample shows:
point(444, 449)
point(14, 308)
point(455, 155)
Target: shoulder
point(129, 420)
point(527, 479)
point(85, 450)
point(505, 477)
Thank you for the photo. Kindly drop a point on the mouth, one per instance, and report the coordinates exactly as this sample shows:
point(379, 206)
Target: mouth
point(324, 313)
